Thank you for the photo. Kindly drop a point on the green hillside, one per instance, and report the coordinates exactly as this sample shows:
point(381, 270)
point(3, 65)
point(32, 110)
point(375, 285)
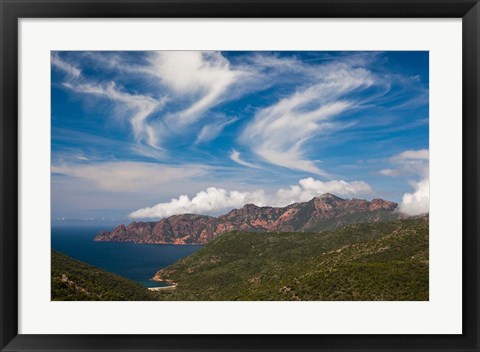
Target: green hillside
point(354, 218)
point(73, 280)
point(377, 261)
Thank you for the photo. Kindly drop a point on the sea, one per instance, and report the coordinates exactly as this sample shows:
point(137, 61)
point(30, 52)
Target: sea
point(135, 261)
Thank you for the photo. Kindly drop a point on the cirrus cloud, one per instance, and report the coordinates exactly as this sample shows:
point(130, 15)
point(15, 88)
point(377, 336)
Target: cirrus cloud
point(203, 76)
point(279, 132)
point(129, 176)
point(235, 156)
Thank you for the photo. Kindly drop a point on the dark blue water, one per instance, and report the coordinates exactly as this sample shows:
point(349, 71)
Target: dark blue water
point(138, 262)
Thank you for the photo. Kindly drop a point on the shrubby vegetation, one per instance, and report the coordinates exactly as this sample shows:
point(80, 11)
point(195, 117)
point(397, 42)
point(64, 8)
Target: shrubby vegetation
point(377, 261)
point(73, 280)
point(354, 218)
point(362, 262)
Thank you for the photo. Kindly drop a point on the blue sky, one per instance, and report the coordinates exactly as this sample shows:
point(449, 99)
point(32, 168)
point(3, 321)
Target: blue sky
point(144, 135)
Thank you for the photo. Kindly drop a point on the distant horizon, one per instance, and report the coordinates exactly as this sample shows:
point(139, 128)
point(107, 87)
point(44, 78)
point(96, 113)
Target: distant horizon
point(147, 135)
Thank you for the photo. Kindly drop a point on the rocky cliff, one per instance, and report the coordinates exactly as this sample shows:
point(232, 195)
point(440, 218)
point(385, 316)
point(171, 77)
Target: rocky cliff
point(320, 213)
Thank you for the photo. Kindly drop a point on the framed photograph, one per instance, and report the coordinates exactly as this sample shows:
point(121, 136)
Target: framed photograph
point(199, 175)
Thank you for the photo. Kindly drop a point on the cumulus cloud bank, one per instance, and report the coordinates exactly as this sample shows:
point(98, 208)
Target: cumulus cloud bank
point(418, 202)
point(214, 200)
point(413, 163)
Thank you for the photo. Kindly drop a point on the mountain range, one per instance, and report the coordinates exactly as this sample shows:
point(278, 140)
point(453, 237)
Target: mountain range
point(325, 212)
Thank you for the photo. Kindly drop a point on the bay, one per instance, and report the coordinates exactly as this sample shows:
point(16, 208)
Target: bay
point(135, 261)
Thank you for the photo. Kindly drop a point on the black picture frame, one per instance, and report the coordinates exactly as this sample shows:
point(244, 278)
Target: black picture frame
point(12, 11)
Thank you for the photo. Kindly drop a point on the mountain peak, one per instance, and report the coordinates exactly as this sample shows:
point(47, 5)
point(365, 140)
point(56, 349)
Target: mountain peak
point(250, 206)
point(329, 196)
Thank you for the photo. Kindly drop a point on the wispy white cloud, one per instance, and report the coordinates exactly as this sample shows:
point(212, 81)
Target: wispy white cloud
point(196, 81)
point(136, 107)
point(139, 106)
point(213, 200)
point(422, 154)
point(129, 176)
point(389, 172)
point(204, 77)
point(70, 69)
point(279, 132)
point(147, 151)
point(235, 156)
point(413, 164)
point(191, 82)
point(211, 131)
point(188, 87)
